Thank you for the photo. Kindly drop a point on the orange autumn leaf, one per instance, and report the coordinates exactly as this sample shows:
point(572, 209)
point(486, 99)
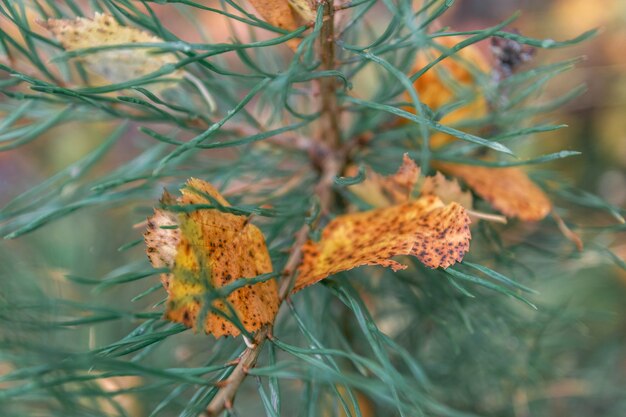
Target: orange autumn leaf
point(276, 12)
point(448, 81)
point(437, 234)
point(508, 190)
point(214, 249)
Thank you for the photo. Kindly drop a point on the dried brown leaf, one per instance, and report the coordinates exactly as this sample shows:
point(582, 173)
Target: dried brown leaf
point(508, 190)
point(279, 13)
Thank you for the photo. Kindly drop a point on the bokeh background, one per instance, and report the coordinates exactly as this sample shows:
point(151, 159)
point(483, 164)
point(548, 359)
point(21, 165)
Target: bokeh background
point(592, 297)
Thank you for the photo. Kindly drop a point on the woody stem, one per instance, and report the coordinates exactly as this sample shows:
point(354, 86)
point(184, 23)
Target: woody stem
point(329, 131)
point(327, 156)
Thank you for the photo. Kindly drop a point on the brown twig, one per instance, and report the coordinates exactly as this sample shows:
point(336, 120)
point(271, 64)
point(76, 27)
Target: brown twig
point(224, 398)
point(226, 395)
point(328, 132)
point(328, 156)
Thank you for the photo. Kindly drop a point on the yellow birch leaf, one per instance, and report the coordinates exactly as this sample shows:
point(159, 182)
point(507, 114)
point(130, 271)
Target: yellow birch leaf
point(214, 249)
point(114, 65)
point(508, 190)
point(437, 234)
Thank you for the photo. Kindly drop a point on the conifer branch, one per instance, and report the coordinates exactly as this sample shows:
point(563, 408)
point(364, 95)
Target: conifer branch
point(225, 397)
point(327, 154)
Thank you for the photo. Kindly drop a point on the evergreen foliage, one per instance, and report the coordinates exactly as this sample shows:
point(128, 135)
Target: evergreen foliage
point(82, 332)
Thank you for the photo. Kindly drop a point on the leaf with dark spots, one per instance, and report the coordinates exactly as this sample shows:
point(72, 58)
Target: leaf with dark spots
point(196, 271)
point(373, 237)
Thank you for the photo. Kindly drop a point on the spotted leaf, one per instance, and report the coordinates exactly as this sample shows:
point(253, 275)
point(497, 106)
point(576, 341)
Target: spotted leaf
point(214, 249)
point(437, 234)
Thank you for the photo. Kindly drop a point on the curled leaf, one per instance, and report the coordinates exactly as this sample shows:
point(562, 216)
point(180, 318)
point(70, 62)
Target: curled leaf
point(398, 188)
point(214, 249)
point(508, 190)
point(114, 65)
point(437, 234)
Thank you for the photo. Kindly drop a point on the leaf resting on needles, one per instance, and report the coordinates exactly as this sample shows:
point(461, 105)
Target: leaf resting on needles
point(381, 191)
point(214, 249)
point(114, 65)
point(437, 234)
point(508, 190)
point(448, 190)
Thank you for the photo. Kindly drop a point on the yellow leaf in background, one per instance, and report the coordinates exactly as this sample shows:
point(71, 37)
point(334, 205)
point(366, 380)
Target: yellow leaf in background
point(280, 14)
point(114, 65)
point(381, 191)
point(508, 190)
point(448, 81)
point(437, 234)
point(214, 249)
point(306, 9)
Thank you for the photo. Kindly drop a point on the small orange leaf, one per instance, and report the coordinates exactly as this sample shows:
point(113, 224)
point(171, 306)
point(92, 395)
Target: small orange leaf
point(114, 65)
point(508, 190)
point(437, 234)
point(451, 80)
point(214, 249)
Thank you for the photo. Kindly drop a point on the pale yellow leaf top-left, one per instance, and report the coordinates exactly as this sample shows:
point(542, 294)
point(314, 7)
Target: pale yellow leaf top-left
point(115, 65)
